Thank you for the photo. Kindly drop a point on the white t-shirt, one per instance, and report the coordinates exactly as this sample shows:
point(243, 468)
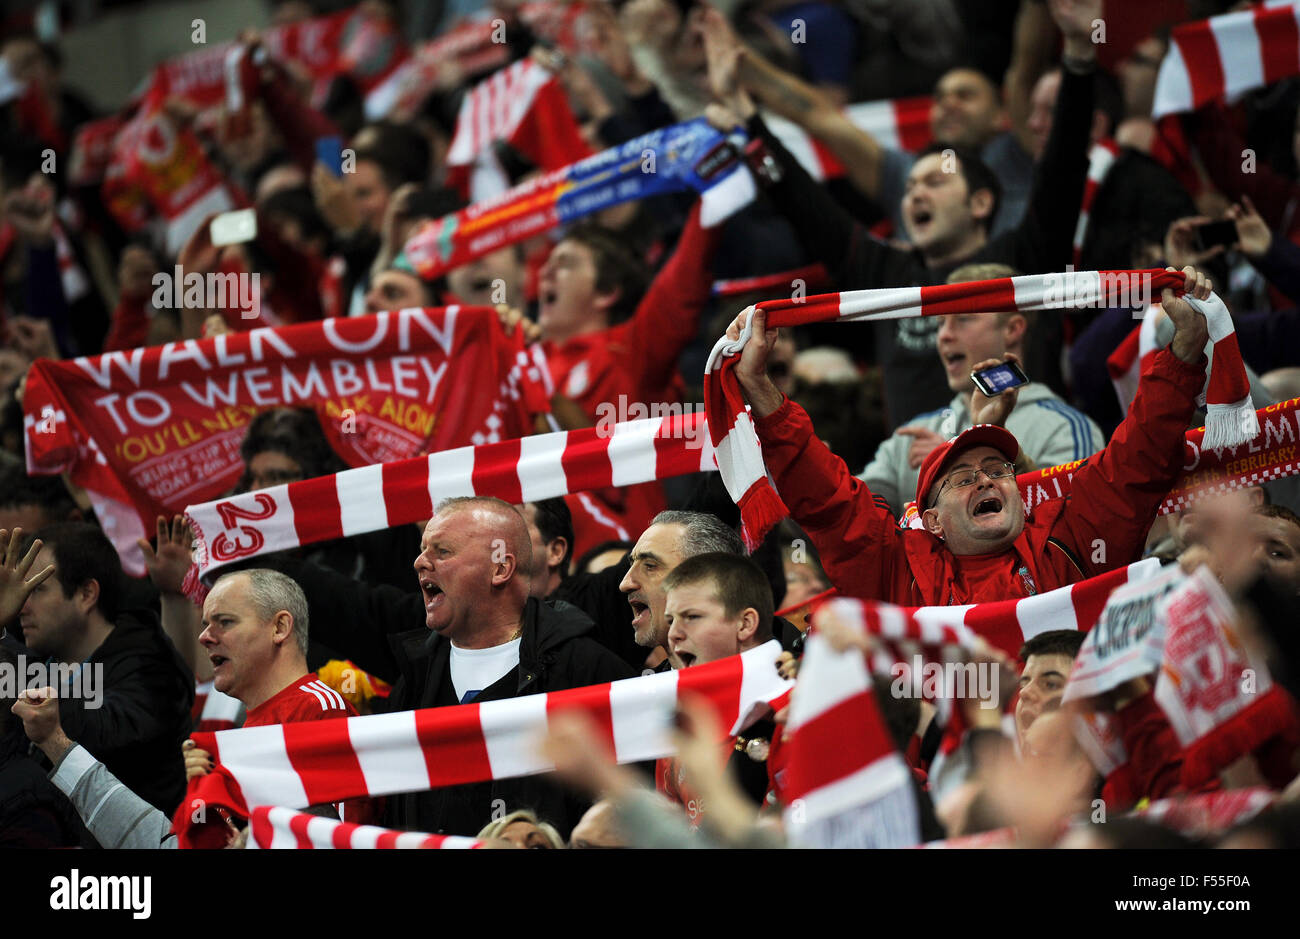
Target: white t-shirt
point(473, 670)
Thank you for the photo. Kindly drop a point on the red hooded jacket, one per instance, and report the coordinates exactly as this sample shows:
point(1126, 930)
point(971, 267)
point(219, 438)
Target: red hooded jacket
point(1101, 526)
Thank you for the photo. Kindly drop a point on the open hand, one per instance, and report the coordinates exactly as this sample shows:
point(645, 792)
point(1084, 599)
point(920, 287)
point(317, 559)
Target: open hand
point(15, 585)
point(169, 564)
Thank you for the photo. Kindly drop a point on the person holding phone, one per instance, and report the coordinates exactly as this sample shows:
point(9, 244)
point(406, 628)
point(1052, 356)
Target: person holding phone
point(1050, 430)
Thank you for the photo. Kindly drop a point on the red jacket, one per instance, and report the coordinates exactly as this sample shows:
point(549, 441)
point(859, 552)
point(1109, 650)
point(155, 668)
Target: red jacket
point(638, 358)
point(1100, 527)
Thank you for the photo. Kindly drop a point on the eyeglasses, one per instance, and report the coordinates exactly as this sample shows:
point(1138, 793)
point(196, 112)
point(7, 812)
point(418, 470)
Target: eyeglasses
point(964, 476)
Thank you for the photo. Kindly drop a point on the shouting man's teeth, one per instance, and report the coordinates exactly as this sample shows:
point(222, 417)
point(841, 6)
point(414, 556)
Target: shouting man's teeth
point(988, 506)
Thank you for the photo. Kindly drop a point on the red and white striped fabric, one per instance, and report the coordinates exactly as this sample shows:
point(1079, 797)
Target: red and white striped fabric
point(1131, 356)
point(383, 495)
point(1209, 813)
point(1226, 55)
point(1218, 717)
point(944, 633)
point(1101, 157)
point(278, 827)
point(319, 762)
point(525, 106)
point(904, 632)
point(217, 711)
point(903, 124)
point(1230, 419)
point(811, 275)
point(846, 786)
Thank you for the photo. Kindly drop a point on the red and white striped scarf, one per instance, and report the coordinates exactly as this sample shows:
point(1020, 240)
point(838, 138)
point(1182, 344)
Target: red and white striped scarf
point(1101, 157)
point(278, 827)
point(811, 275)
point(1230, 421)
point(901, 124)
point(1131, 356)
point(524, 105)
point(319, 762)
point(1227, 55)
point(214, 710)
point(525, 469)
point(845, 785)
point(939, 633)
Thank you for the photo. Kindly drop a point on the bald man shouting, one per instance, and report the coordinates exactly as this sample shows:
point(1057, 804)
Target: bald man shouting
point(485, 639)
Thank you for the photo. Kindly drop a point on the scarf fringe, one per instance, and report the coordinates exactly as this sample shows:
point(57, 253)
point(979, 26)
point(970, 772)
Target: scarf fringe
point(1230, 425)
point(761, 510)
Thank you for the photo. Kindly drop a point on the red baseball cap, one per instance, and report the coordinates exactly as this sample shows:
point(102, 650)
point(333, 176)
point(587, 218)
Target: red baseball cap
point(941, 457)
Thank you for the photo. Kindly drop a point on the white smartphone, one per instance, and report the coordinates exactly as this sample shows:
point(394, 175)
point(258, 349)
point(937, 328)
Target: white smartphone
point(233, 228)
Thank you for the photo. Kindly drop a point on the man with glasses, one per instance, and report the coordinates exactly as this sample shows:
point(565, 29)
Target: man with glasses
point(978, 543)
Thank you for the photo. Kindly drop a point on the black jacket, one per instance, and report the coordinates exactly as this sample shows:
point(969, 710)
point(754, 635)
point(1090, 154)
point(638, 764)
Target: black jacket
point(380, 628)
point(144, 714)
point(555, 653)
point(33, 813)
point(1041, 243)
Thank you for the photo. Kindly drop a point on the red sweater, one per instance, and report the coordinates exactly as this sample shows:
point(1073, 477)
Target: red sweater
point(1115, 498)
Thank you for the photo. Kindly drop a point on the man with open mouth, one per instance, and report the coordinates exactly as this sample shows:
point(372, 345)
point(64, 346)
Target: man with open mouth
point(1050, 430)
point(978, 543)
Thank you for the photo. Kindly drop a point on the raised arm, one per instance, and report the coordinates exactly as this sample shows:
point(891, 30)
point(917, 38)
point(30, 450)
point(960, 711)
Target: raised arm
point(116, 816)
point(827, 232)
point(1030, 55)
point(668, 317)
point(814, 111)
point(855, 531)
point(1045, 237)
point(168, 566)
point(1115, 496)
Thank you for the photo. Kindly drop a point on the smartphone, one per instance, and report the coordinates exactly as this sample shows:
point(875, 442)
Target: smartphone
point(329, 150)
point(233, 228)
point(1212, 234)
point(993, 381)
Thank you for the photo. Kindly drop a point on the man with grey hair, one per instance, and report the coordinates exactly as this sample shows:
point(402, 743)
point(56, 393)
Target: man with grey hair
point(255, 635)
point(672, 537)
